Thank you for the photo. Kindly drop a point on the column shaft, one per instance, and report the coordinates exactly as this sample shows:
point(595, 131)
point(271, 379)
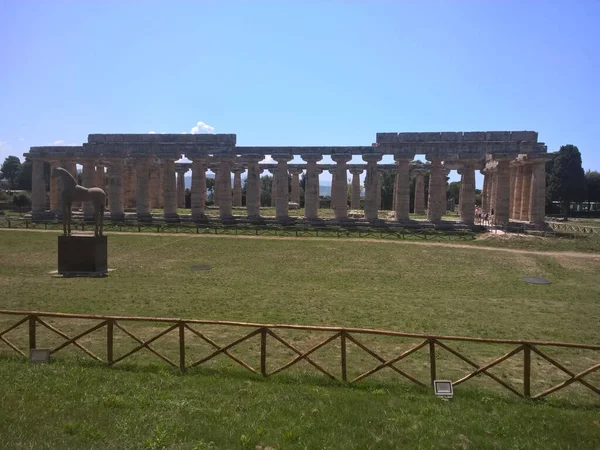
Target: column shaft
point(526, 192)
point(355, 197)
point(282, 195)
point(170, 191)
point(198, 188)
point(371, 186)
point(311, 193)
point(237, 187)
point(295, 187)
point(537, 198)
point(181, 188)
point(38, 190)
point(502, 198)
point(513, 179)
point(467, 194)
point(436, 184)
point(516, 193)
point(253, 188)
point(402, 190)
point(142, 203)
point(225, 194)
point(115, 191)
point(420, 193)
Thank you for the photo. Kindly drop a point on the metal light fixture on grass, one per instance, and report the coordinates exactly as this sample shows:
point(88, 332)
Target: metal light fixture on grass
point(443, 388)
point(39, 355)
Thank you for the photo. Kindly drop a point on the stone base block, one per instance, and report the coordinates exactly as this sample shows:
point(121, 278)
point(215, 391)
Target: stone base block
point(172, 218)
point(82, 254)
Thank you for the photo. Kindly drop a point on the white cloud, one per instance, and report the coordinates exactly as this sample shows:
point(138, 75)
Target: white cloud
point(151, 132)
point(21, 139)
point(58, 142)
point(202, 127)
point(268, 160)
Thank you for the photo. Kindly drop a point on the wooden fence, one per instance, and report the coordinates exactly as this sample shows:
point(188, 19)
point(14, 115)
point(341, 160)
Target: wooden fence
point(33, 319)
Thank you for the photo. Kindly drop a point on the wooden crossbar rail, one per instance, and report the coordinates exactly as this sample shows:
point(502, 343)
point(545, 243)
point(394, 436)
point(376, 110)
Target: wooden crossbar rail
point(344, 334)
point(429, 337)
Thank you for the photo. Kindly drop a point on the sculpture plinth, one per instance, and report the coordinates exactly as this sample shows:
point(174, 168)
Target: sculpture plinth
point(82, 255)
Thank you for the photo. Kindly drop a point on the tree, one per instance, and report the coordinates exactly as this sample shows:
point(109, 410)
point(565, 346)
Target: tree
point(187, 198)
point(21, 201)
point(210, 187)
point(387, 190)
point(10, 170)
point(566, 182)
point(25, 176)
point(592, 185)
point(266, 184)
point(453, 191)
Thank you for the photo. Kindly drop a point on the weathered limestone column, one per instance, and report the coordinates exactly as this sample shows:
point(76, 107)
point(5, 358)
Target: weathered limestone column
point(444, 192)
point(253, 186)
point(181, 186)
point(273, 187)
point(88, 180)
point(214, 167)
point(142, 203)
point(237, 186)
point(526, 192)
point(225, 193)
point(437, 183)
point(161, 185)
point(493, 189)
point(537, 197)
point(485, 201)
point(419, 193)
point(333, 194)
point(371, 185)
point(467, 192)
point(38, 190)
point(311, 193)
point(130, 184)
point(516, 192)
point(379, 199)
point(282, 197)
point(170, 190)
point(199, 163)
point(55, 191)
point(513, 180)
point(502, 197)
point(115, 191)
point(355, 197)
point(402, 189)
point(154, 186)
point(295, 185)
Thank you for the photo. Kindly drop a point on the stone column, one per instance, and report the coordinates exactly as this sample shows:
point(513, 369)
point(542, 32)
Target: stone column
point(513, 179)
point(419, 193)
point(154, 186)
point(170, 191)
point(253, 186)
point(100, 177)
point(225, 194)
point(161, 185)
point(88, 180)
point(115, 191)
point(215, 170)
point(55, 191)
point(502, 197)
point(516, 193)
point(198, 187)
point(38, 190)
point(355, 197)
point(273, 187)
point(484, 192)
point(295, 185)
point(129, 183)
point(493, 189)
point(379, 199)
point(181, 186)
point(437, 183)
point(333, 193)
point(467, 192)
point(142, 203)
point(526, 192)
point(237, 186)
point(311, 193)
point(402, 189)
point(537, 197)
point(282, 196)
point(371, 185)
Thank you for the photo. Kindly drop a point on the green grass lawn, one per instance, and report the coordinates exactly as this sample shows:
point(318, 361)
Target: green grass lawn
point(405, 287)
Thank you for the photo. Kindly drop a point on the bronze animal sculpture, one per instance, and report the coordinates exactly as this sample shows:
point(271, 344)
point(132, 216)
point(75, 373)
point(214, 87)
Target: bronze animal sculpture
point(72, 192)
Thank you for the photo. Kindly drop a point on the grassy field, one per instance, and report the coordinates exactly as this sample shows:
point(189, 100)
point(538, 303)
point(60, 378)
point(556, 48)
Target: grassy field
point(400, 286)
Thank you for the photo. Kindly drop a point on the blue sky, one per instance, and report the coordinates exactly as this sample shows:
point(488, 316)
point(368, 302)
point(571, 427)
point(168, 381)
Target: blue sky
point(298, 73)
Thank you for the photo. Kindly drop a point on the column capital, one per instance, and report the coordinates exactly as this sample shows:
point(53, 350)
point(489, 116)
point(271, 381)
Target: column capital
point(400, 157)
point(356, 171)
point(373, 158)
point(311, 157)
point(237, 170)
point(252, 158)
point(344, 158)
point(283, 157)
point(295, 170)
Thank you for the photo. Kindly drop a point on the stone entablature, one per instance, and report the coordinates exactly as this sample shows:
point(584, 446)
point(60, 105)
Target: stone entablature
point(141, 172)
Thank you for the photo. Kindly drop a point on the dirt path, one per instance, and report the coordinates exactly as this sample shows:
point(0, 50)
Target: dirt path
point(592, 256)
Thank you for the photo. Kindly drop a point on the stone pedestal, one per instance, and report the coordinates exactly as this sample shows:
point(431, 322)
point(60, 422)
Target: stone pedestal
point(78, 255)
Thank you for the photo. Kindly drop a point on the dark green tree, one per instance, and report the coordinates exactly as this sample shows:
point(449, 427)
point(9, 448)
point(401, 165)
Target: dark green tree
point(10, 170)
point(210, 187)
point(266, 184)
point(387, 190)
point(592, 187)
point(566, 182)
point(21, 201)
point(24, 178)
point(453, 191)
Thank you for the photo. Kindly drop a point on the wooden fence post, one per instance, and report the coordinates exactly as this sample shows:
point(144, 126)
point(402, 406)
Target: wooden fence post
point(109, 341)
point(432, 368)
point(527, 370)
point(32, 336)
point(182, 347)
point(263, 351)
point(343, 349)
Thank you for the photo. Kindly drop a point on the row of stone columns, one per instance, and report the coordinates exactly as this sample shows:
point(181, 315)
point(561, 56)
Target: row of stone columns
point(515, 191)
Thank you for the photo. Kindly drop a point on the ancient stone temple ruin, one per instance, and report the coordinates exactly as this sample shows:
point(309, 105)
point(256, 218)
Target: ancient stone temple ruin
point(140, 172)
